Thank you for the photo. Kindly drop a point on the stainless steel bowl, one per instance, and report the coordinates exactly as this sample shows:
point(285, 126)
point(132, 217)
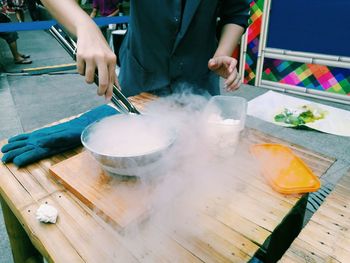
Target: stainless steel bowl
point(130, 165)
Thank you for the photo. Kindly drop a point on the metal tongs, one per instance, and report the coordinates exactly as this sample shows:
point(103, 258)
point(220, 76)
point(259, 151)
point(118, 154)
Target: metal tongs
point(118, 99)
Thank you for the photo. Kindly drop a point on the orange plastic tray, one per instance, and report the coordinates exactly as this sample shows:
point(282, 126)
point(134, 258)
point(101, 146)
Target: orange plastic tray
point(285, 171)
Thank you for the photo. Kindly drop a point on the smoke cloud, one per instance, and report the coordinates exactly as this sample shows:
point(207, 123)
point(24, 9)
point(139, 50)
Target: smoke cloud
point(190, 182)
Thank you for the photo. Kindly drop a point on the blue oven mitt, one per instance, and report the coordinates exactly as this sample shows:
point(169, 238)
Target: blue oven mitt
point(27, 148)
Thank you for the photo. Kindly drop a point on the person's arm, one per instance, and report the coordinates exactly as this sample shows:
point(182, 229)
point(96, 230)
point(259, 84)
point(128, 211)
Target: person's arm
point(114, 13)
point(93, 51)
point(234, 18)
point(93, 13)
point(222, 62)
point(95, 4)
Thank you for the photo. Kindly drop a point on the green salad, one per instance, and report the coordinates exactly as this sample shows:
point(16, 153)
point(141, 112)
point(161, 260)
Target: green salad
point(300, 116)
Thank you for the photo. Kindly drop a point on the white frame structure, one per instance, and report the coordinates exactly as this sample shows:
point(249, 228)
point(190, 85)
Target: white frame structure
point(289, 55)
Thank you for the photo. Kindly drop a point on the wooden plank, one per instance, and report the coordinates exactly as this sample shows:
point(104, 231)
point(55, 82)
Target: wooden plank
point(84, 233)
point(324, 239)
point(142, 99)
point(262, 216)
point(328, 220)
point(292, 258)
point(149, 244)
point(249, 200)
point(342, 190)
point(40, 173)
point(339, 198)
point(145, 246)
point(236, 222)
point(302, 251)
point(25, 184)
point(12, 190)
point(345, 181)
point(270, 197)
point(30, 183)
point(47, 238)
point(327, 234)
point(262, 185)
point(211, 241)
point(338, 213)
point(83, 176)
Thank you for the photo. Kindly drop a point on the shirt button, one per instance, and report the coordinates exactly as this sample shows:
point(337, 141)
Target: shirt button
point(176, 19)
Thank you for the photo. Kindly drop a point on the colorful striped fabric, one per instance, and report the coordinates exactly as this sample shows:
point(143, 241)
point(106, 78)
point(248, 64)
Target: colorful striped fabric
point(253, 39)
point(312, 76)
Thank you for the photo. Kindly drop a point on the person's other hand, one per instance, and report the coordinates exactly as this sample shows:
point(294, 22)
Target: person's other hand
point(225, 67)
point(94, 53)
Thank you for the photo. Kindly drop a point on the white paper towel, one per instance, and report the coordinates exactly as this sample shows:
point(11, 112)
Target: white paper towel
point(47, 214)
point(266, 106)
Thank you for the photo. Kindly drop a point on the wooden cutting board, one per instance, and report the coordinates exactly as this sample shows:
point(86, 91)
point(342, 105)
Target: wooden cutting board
point(118, 200)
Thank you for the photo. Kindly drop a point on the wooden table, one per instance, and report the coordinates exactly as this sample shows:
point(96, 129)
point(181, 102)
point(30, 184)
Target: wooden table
point(326, 238)
point(227, 230)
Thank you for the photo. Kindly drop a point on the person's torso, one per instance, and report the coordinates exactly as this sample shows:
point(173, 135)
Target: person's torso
point(107, 7)
point(170, 42)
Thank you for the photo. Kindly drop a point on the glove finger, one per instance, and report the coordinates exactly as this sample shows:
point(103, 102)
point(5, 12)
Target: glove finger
point(9, 156)
point(13, 146)
point(36, 154)
point(30, 157)
point(19, 137)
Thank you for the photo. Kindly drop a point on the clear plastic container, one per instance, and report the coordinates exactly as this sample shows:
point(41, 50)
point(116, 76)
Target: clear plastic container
point(223, 121)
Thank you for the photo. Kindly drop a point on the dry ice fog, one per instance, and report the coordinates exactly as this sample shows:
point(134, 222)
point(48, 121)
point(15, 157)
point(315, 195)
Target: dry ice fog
point(202, 171)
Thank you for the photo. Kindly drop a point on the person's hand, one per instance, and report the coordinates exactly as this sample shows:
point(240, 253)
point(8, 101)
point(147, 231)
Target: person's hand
point(94, 53)
point(225, 67)
point(93, 13)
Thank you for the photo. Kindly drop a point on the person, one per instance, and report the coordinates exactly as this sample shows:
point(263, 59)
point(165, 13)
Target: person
point(11, 39)
point(167, 43)
point(105, 8)
point(33, 9)
point(18, 7)
point(3, 6)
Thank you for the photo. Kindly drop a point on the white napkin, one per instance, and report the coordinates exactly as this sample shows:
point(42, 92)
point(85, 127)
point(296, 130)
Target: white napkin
point(266, 106)
point(47, 214)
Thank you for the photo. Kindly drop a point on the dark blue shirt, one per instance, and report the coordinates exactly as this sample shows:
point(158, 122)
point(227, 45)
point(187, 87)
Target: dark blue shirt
point(169, 43)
